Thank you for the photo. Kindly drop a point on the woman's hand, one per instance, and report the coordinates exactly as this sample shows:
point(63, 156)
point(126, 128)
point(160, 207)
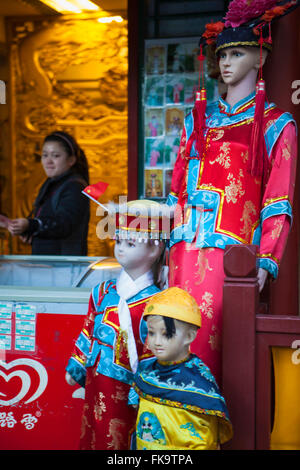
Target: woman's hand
point(25, 239)
point(18, 226)
point(261, 277)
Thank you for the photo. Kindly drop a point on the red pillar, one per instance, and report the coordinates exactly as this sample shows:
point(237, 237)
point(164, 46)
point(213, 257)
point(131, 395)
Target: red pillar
point(240, 305)
point(134, 8)
point(281, 70)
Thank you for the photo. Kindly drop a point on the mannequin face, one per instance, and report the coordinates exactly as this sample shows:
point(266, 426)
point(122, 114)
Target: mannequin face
point(237, 63)
point(171, 349)
point(136, 257)
point(55, 159)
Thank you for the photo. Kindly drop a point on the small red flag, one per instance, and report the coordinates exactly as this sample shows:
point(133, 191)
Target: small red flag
point(95, 190)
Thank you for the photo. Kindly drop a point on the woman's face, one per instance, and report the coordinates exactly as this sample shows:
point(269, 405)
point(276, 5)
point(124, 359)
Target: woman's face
point(55, 159)
point(237, 62)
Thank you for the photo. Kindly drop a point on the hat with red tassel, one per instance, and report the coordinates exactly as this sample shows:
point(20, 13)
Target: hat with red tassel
point(247, 23)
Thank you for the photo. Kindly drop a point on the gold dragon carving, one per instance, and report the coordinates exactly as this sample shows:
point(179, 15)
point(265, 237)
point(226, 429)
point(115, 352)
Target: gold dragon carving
point(70, 74)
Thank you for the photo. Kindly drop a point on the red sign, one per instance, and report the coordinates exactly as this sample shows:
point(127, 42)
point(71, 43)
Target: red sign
point(38, 410)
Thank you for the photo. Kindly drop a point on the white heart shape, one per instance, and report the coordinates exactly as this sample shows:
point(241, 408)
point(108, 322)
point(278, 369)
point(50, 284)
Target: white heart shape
point(24, 389)
point(39, 368)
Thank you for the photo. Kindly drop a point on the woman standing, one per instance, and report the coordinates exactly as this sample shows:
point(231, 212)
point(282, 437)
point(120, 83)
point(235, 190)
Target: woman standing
point(58, 224)
point(234, 176)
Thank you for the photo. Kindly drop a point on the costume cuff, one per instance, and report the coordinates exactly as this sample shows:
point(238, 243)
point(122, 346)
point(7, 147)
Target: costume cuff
point(277, 206)
point(77, 371)
point(172, 199)
point(269, 264)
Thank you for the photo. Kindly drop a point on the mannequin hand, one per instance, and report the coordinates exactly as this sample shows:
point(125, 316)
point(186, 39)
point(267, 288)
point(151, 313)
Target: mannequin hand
point(18, 226)
point(261, 277)
point(69, 379)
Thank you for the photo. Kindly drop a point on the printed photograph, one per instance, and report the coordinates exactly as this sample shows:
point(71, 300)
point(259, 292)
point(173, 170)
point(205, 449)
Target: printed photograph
point(155, 59)
point(154, 122)
point(154, 91)
point(154, 183)
point(174, 121)
point(175, 89)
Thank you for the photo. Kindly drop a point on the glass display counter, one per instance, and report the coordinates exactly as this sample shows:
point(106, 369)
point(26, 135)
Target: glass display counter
point(43, 301)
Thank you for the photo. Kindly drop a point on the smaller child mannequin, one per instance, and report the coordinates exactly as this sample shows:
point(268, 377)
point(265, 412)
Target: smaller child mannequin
point(180, 406)
point(111, 343)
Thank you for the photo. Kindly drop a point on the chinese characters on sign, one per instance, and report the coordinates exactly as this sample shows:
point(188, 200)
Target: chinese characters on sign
point(8, 420)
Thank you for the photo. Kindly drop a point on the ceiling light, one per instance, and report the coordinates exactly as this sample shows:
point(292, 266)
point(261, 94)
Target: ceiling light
point(71, 6)
point(109, 19)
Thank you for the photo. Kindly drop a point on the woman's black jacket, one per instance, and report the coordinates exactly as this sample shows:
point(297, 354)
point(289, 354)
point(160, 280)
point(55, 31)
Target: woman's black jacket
point(60, 218)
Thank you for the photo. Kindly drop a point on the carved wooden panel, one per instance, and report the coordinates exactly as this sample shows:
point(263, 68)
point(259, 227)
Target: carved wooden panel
point(67, 73)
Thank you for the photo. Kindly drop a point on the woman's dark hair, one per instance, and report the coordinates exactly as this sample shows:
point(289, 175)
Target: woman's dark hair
point(72, 148)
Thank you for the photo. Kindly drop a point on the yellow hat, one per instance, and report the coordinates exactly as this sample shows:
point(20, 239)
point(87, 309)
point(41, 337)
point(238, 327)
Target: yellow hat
point(174, 303)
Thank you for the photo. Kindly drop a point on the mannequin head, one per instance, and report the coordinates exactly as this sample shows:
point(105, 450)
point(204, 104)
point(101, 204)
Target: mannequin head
point(141, 228)
point(173, 318)
point(169, 339)
point(237, 63)
point(239, 66)
point(138, 256)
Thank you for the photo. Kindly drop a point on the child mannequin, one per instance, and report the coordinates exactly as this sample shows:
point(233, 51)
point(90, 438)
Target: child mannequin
point(110, 345)
point(180, 406)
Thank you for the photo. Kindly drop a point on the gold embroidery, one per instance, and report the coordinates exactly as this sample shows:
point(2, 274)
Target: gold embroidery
point(120, 395)
point(278, 224)
point(217, 134)
point(249, 208)
point(186, 286)
point(206, 305)
point(286, 151)
point(234, 190)
point(84, 422)
point(275, 199)
point(244, 156)
point(215, 340)
point(99, 407)
point(182, 148)
point(269, 255)
point(242, 43)
point(269, 124)
point(224, 156)
point(208, 139)
point(202, 265)
point(116, 432)
point(220, 212)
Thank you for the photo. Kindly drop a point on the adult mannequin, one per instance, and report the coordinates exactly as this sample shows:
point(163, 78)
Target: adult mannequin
point(228, 193)
point(239, 68)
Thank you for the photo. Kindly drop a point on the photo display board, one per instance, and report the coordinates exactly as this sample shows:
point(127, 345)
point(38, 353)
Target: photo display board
point(171, 78)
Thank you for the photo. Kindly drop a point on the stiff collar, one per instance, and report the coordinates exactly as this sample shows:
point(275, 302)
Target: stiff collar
point(240, 106)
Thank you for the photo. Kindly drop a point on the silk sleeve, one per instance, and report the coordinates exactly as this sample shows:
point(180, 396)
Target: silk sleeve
point(276, 213)
point(178, 175)
point(77, 361)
